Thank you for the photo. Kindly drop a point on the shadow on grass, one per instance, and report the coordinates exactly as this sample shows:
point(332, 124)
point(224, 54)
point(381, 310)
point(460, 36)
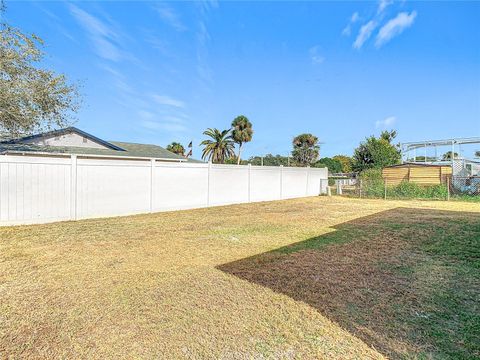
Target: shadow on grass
point(405, 281)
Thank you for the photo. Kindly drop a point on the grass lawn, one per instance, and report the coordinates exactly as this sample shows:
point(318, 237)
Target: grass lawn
point(306, 278)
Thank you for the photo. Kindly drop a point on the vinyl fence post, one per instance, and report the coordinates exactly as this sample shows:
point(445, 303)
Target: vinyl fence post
point(306, 186)
point(360, 187)
point(208, 182)
point(448, 188)
point(249, 181)
point(73, 188)
point(152, 183)
point(339, 187)
point(281, 182)
point(385, 188)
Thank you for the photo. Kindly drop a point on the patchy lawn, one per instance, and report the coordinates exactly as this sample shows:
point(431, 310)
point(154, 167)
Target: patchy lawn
point(307, 278)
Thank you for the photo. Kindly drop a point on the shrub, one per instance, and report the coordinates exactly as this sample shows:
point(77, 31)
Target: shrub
point(372, 183)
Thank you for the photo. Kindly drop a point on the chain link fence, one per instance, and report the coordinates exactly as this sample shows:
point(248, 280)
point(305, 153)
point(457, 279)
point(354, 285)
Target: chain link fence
point(465, 186)
point(452, 188)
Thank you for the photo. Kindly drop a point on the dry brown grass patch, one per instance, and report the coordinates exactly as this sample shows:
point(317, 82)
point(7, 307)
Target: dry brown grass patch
point(148, 286)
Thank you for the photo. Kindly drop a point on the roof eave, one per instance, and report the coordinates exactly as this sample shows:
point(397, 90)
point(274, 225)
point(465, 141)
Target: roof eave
point(43, 153)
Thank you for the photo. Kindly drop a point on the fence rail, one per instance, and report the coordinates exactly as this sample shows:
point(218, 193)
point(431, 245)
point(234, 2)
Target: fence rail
point(45, 189)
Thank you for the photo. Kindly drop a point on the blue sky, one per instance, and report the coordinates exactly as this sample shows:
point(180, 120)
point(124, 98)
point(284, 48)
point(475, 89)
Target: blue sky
point(157, 72)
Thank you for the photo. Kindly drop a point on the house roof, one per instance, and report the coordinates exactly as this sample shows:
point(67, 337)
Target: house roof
point(115, 148)
point(59, 132)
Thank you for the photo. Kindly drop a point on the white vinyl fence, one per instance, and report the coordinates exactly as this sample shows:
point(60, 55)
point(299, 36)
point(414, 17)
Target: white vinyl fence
point(39, 189)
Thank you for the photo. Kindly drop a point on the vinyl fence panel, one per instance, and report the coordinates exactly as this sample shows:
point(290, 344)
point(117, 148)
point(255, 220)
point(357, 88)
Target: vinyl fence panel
point(39, 189)
point(317, 182)
point(294, 182)
point(228, 184)
point(34, 189)
point(265, 183)
point(112, 187)
point(180, 187)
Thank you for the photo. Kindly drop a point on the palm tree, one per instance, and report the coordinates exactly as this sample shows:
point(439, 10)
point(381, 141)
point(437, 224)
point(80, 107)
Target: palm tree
point(242, 132)
point(176, 148)
point(305, 149)
point(220, 147)
point(448, 155)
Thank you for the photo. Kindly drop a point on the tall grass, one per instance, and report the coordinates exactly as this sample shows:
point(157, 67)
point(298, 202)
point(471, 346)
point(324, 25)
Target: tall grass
point(373, 185)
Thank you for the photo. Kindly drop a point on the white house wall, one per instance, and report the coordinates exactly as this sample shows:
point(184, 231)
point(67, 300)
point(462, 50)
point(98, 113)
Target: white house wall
point(70, 139)
point(46, 189)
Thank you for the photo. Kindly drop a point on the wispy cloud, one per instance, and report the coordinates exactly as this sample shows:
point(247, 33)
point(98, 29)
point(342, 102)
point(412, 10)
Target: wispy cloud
point(203, 37)
point(169, 16)
point(364, 34)
point(167, 100)
point(315, 55)
point(387, 122)
point(204, 71)
point(157, 42)
point(353, 19)
point(395, 27)
point(56, 22)
point(103, 37)
point(152, 121)
point(382, 5)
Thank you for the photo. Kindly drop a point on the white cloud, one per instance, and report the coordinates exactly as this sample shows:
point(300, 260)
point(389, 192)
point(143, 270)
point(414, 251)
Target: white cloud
point(167, 100)
point(146, 114)
point(364, 34)
point(387, 122)
point(353, 19)
point(169, 16)
point(156, 121)
point(103, 37)
point(382, 5)
point(315, 57)
point(395, 27)
point(154, 125)
point(173, 119)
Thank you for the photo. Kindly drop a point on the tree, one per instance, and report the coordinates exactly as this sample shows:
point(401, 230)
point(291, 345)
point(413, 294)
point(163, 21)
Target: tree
point(334, 166)
point(176, 148)
point(305, 149)
point(219, 147)
point(388, 135)
point(448, 155)
point(242, 132)
point(375, 153)
point(422, 158)
point(32, 99)
point(269, 160)
point(346, 162)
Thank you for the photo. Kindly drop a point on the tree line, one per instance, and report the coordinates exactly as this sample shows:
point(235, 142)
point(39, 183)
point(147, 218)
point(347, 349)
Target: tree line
point(219, 147)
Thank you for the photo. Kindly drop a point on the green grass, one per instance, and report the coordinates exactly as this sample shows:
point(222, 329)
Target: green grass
point(421, 268)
